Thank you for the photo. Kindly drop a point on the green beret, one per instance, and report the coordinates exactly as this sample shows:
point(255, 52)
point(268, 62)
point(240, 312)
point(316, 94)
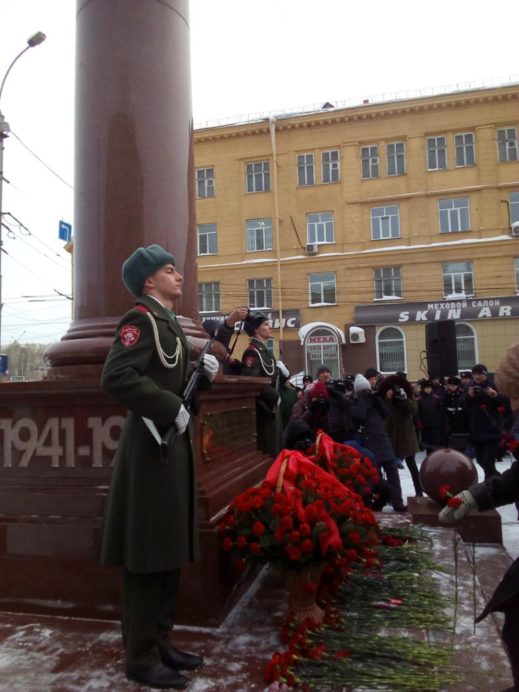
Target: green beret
point(142, 263)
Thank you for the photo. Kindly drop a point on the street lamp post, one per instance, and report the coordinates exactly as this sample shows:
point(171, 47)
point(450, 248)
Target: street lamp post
point(33, 41)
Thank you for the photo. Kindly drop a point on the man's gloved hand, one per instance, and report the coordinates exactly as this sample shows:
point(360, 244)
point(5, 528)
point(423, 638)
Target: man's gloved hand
point(282, 368)
point(211, 366)
point(461, 504)
point(182, 419)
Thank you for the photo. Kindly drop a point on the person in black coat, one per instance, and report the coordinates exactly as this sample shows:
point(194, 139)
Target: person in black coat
point(430, 418)
point(369, 413)
point(490, 416)
point(496, 491)
point(457, 417)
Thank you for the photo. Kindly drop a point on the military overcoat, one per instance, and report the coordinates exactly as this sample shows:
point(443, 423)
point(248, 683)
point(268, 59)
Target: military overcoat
point(150, 520)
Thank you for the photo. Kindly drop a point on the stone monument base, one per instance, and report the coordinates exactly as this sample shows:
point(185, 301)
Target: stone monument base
point(475, 527)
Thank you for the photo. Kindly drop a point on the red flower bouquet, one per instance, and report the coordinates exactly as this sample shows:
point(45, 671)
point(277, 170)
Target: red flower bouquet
point(300, 515)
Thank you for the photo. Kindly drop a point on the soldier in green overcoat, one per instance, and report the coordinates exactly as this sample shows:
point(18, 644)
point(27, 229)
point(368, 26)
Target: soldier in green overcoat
point(150, 525)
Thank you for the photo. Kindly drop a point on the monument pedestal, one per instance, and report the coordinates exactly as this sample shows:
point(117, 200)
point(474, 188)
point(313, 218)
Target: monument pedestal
point(476, 527)
point(58, 441)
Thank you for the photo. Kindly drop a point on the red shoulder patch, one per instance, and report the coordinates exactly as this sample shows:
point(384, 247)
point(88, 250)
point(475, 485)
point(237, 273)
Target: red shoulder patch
point(130, 335)
point(249, 361)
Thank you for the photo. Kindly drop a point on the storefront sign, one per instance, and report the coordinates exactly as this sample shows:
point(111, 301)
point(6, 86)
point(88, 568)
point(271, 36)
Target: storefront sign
point(462, 309)
point(291, 318)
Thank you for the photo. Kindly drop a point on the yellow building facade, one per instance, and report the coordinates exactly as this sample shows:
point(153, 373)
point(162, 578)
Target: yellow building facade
point(356, 228)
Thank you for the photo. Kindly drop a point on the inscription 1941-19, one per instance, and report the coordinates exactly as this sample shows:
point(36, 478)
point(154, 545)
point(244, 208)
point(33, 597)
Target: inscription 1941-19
point(56, 441)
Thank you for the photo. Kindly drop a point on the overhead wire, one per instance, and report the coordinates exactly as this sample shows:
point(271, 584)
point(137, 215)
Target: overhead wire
point(41, 161)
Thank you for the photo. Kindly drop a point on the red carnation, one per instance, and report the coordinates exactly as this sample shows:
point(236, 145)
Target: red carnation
point(258, 528)
point(227, 543)
point(241, 541)
point(454, 502)
point(255, 549)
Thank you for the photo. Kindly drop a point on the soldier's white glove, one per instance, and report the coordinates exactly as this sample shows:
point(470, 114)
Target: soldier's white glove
point(282, 368)
point(465, 503)
point(211, 367)
point(182, 419)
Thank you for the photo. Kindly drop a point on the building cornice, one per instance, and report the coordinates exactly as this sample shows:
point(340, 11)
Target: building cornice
point(364, 112)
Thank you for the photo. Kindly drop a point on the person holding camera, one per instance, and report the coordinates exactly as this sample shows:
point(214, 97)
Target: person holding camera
point(340, 425)
point(490, 416)
point(397, 392)
point(369, 413)
point(259, 361)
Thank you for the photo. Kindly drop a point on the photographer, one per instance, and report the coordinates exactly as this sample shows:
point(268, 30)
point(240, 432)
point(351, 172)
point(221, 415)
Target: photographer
point(339, 418)
point(490, 415)
point(398, 394)
point(369, 413)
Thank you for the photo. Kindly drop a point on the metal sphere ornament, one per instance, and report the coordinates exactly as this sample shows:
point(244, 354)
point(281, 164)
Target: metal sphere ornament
point(447, 468)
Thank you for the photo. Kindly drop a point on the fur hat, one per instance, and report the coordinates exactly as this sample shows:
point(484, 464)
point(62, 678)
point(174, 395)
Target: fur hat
point(425, 383)
point(480, 369)
point(323, 368)
point(395, 381)
point(361, 384)
point(253, 321)
point(454, 380)
point(507, 373)
point(371, 372)
point(144, 262)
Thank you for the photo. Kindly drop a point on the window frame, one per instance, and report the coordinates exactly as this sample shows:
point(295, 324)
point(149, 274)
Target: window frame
point(330, 166)
point(513, 205)
point(436, 149)
point(516, 271)
point(305, 169)
point(198, 237)
point(385, 215)
point(379, 282)
point(369, 155)
point(505, 142)
point(462, 274)
point(464, 147)
point(251, 234)
point(454, 212)
point(204, 296)
point(402, 365)
point(328, 227)
point(474, 357)
point(206, 182)
point(313, 282)
point(253, 290)
point(397, 156)
point(253, 177)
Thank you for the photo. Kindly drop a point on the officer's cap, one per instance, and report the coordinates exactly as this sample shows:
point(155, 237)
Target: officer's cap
point(253, 321)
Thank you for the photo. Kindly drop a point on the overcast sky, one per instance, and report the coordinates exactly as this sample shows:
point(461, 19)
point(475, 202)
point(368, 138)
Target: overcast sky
point(247, 57)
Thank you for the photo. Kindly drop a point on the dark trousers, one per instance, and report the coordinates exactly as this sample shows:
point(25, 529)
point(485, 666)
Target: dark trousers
point(415, 475)
point(393, 479)
point(486, 453)
point(149, 602)
point(510, 634)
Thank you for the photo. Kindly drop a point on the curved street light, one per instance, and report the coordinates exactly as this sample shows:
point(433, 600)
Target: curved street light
point(32, 41)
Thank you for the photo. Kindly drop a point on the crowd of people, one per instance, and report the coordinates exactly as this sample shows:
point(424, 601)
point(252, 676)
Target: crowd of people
point(392, 419)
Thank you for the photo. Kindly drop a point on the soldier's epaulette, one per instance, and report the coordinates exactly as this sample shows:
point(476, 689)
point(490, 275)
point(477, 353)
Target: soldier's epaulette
point(142, 308)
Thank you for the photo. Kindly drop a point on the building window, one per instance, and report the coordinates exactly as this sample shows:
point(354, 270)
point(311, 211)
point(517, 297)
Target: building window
point(330, 170)
point(458, 280)
point(260, 293)
point(385, 222)
point(465, 346)
point(396, 158)
point(305, 169)
point(320, 227)
point(464, 149)
point(388, 283)
point(204, 182)
point(513, 200)
point(454, 215)
point(209, 297)
point(369, 160)
point(258, 176)
point(207, 239)
point(321, 346)
point(259, 235)
point(436, 153)
point(391, 350)
point(516, 265)
point(507, 144)
point(322, 288)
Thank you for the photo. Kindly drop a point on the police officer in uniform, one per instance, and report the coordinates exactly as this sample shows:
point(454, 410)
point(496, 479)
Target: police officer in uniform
point(259, 361)
point(150, 525)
